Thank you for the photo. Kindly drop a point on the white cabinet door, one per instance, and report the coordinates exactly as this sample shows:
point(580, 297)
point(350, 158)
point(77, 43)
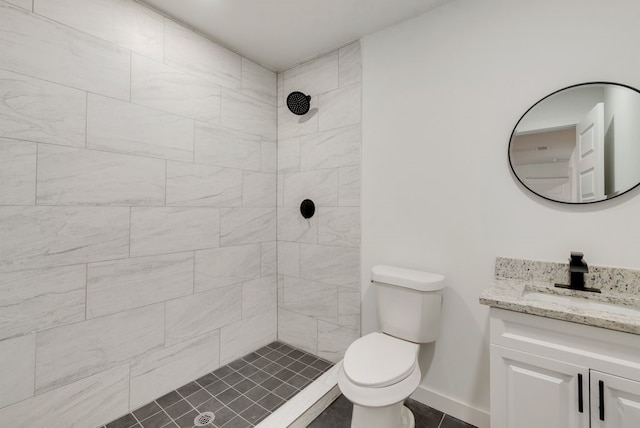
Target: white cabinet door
point(528, 391)
point(615, 401)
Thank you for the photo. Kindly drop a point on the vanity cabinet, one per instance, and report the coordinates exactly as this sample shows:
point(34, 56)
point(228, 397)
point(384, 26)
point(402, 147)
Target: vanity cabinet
point(557, 374)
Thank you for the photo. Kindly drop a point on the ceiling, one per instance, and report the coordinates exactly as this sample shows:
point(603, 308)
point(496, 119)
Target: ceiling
point(278, 34)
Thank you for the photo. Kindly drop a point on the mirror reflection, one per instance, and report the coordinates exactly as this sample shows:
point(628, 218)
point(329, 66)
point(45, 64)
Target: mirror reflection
point(580, 144)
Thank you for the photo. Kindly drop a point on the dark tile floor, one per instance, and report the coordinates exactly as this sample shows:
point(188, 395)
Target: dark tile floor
point(240, 394)
point(338, 415)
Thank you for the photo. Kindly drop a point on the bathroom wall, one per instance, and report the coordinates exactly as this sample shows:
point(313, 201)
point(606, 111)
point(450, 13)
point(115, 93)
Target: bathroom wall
point(137, 209)
point(441, 94)
point(319, 159)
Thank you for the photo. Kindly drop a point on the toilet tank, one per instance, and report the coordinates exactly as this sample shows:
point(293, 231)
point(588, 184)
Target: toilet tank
point(409, 302)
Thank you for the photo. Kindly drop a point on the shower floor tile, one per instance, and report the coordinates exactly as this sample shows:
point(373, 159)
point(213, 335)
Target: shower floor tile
point(240, 394)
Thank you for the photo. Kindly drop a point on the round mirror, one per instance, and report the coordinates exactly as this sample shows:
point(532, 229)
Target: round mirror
point(580, 144)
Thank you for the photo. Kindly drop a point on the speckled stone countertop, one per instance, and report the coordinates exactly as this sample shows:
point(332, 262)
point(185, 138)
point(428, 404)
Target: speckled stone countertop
point(516, 280)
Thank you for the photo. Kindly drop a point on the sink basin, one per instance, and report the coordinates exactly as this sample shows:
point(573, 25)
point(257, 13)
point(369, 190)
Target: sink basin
point(582, 303)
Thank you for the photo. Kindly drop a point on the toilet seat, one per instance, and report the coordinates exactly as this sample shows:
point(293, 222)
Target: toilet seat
point(378, 360)
point(378, 397)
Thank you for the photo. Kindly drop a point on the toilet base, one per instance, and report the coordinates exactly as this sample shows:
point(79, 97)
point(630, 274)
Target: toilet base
point(394, 416)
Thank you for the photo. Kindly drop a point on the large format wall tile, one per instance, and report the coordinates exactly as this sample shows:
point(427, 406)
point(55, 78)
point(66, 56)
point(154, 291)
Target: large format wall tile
point(313, 77)
point(289, 154)
point(247, 225)
point(321, 186)
point(140, 130)
point(159, 372)
point(268, 258)
point(259, 295)
point(340, 107)
point(159, 86)
point(350, 61)
point(171, 230)
point(68, 176)
point(69, 353)
point(201, 313)
point(247, 114)
point(331, 149)
point(38, 47)
point(34, 237)
point(120, 285)
point(223, 147)
point(280, 89)
point(295, 228)
point(298, 330)
point(349, 307)
point(224, 266)
point(242, 337)
point(330, 264)
point(17, 172)
point(25, 4)
point(269, 158)
point(288, 258)
point(258, 189)
point(349, 186)
point(333, 340)
point(35, 110)
point(195, 185)
point(191, 52)
point(89, 402)
point(291, 125)
point(311, 298)
point(35, 300)
point(18, 358)
point(123, 22)
point(258, 82)
point(319, 156)
point(339, 226)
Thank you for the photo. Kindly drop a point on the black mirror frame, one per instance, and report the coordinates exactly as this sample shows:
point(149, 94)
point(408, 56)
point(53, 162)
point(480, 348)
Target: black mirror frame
point(534, 105)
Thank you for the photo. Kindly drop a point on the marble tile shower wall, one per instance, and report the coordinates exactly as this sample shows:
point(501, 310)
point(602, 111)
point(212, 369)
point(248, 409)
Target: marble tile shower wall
point(137, 209)
point(319, 159)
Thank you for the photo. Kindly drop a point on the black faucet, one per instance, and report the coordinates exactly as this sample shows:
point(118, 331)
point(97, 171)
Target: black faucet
point(577, 268)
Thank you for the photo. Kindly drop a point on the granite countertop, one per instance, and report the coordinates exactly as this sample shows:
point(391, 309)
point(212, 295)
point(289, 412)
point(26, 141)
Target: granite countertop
point(510, 294)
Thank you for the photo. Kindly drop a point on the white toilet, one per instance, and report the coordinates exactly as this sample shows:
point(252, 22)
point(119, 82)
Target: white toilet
point(380, 370)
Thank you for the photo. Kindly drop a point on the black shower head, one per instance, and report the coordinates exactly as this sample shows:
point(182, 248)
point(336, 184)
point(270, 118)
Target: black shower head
point(298, 103)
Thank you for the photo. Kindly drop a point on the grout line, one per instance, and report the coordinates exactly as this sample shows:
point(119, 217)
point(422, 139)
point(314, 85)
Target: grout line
point(86, 289)
point(194, 273)
point(130, 209)
point(35, 184)
point(441, 420)
point(193, 151)
point(130, 75)
point(86, 120)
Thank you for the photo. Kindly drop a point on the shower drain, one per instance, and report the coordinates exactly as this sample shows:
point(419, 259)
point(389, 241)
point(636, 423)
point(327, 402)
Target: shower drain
point(203, 419)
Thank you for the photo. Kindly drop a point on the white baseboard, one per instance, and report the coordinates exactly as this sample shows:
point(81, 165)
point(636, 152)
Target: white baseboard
point(452, 407)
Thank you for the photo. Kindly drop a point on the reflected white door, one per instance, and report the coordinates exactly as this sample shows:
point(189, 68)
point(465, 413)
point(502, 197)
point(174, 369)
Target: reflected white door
point(590, 155)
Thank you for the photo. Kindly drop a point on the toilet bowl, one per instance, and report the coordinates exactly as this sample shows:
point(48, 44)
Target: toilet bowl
point(380, 370)
point(378, 373)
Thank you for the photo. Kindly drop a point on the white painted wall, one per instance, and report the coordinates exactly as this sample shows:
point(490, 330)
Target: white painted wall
point(441, 94)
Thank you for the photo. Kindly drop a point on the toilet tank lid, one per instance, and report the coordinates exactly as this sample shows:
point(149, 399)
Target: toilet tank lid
point(414, 279)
